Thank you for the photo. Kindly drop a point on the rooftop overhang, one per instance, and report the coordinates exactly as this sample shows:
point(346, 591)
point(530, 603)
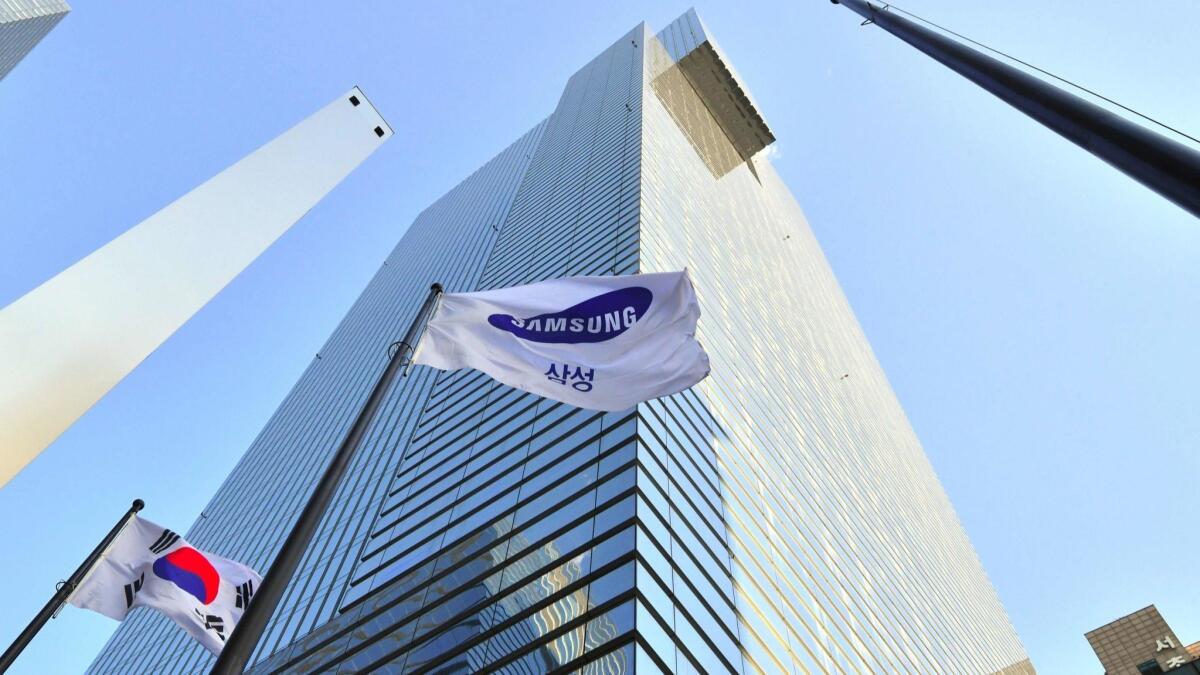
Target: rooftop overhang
point(709, 71)
point(725, 97)
point(704, 94)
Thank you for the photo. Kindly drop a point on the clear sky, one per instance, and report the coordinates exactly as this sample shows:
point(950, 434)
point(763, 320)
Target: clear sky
point(1034, 309)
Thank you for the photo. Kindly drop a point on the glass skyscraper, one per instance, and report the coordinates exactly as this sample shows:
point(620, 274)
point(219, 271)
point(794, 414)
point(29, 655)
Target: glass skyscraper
point(780, 516)
point(23, 23)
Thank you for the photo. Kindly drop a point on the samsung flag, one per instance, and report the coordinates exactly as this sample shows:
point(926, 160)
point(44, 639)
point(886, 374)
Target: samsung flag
point(604, 343)
point(150, 566)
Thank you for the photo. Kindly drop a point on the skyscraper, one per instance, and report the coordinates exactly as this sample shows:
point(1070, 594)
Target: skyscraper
point(23, 23)
point(780, 516)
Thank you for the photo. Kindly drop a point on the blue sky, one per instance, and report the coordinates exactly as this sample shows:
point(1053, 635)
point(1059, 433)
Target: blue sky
point(1034, 309)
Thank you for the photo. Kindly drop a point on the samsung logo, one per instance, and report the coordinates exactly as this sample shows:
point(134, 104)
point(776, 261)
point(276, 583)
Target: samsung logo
point(597, 319)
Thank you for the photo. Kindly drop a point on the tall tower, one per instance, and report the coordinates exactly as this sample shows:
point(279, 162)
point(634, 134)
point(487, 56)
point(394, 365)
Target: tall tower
point(23, 23)
point(778, 517)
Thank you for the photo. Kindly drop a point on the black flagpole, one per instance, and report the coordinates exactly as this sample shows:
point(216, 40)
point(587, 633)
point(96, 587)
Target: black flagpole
point(245, 636)
point(64, 591)
point(1171, 169)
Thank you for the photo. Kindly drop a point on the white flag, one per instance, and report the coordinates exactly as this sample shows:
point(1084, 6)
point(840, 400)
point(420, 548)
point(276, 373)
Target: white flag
point(603, 343)
point(150, 566)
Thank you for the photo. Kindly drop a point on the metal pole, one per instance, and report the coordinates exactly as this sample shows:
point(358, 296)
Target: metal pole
point(1169, 168)
point(64, 590)
point(245, 636)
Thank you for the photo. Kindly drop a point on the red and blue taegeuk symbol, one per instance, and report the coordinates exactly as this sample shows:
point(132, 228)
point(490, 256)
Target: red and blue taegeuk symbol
point(188, 569)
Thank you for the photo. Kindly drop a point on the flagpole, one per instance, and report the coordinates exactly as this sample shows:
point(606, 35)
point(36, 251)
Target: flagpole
point(64, 591)
point(1169, 168)
point(245, 636)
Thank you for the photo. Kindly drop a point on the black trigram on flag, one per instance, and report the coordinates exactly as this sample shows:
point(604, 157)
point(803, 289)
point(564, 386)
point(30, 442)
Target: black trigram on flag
point(244, 593)
point(214, 623)
point(165, 541)
point(132, 589)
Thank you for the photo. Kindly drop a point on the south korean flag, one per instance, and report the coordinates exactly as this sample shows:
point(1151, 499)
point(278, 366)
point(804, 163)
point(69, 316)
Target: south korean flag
point(150, 566)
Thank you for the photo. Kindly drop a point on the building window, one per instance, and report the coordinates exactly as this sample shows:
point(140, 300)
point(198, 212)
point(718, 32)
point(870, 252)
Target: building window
point(1150, 667)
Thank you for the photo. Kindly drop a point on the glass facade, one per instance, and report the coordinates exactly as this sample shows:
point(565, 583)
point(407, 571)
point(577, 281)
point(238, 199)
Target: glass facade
point(778, 517)
point(23, 23)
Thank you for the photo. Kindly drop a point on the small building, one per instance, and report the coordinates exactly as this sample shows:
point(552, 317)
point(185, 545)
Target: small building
point(1142, 644)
